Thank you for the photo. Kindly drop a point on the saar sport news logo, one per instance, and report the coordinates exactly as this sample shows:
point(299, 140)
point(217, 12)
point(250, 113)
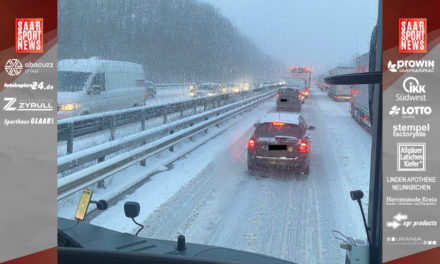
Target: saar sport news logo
point(412, 35)
point(13, 67)
point(411, 66)
point(414, 91)
point(29, 35)
point(409, 111)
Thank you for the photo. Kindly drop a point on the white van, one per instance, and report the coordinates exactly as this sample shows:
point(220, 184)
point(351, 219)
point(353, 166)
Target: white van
point(87, 86)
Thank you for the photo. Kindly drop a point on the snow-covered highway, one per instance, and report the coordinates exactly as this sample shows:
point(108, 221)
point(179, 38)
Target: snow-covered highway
point(208, 195)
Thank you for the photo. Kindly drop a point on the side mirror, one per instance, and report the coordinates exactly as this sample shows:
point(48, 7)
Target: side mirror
point(356, 195)
point(94, 89)
point(255, 124)
point(132, 209)
point(311, 128)
point(101, 204)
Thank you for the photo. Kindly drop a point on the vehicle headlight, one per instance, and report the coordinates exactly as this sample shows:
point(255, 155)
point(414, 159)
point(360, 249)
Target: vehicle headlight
point(191, 93)
point(68, 107)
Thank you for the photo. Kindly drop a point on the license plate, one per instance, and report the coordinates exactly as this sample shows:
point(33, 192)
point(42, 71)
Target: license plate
point(277, 147)
point(339, 92)
point(276, 162)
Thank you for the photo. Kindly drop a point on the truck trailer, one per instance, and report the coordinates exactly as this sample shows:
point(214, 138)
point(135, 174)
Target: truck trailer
point(359, 102)
point(340, 92)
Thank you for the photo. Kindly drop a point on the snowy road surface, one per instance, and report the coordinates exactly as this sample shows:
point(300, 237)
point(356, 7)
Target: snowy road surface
point(208, 195)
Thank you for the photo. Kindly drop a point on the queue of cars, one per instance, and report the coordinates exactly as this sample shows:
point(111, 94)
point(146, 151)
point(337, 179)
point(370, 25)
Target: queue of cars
point(94, 85)
point(282, 138)
point(200, 89)
point(205, 89)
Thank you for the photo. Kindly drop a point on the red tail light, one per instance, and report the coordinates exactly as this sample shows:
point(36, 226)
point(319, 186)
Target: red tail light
point(303, 146)
point(278, 94)
point(278, 124)
point(251, 143)
point(145, 96)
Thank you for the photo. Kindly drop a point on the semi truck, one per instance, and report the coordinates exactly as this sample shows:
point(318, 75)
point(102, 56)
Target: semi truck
point(340, 92)
point(301, 73)
point(359, 102)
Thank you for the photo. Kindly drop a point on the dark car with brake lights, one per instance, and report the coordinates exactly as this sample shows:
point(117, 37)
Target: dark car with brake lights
point(289, 99)
point(281, 139)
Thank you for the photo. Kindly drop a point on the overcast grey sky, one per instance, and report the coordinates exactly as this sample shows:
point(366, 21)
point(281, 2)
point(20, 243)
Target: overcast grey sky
point(317, 33)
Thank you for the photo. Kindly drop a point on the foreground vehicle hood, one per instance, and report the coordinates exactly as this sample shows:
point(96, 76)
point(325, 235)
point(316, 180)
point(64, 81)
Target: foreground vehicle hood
point(102, 241)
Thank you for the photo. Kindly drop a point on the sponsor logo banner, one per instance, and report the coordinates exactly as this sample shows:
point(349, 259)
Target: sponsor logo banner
point(410, 129)
point(28, 137)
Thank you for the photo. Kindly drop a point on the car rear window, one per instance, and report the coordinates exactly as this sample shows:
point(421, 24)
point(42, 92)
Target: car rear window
point(289, 92)
point(269, 130)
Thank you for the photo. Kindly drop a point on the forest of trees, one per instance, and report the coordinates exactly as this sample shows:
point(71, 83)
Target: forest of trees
point(175, 40)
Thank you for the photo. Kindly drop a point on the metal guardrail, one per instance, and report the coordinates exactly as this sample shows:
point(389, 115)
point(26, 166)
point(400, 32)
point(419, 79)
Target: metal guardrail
point(70, 128)
point(188, 127)
point(78, 126)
